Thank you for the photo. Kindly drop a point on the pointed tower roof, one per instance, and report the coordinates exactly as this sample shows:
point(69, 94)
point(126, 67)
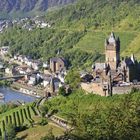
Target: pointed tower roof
point(112, 38)
point(132, 58)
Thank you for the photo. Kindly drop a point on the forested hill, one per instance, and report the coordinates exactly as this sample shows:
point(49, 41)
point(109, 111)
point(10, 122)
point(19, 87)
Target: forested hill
point(101, 14)
point(78, 32)
point(17, 8)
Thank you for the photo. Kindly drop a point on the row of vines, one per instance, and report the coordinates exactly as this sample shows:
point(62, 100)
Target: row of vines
point(21, 116)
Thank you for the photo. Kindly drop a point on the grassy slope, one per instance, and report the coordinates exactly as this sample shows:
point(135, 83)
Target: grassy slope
point(133, 47)
point(94, 41)
point(81, 103)
point(40, 131)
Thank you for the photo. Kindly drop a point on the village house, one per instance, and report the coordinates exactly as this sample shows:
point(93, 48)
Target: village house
point(15, 57)
point(23, 69)
point(4, 50)
point(61, 76)
point(113, 71)
point(28, 60)
point(57, 64)
point(53, 86)
point(32, 80)
point(46, 80)
point(21, 58)
point(36, 64)
point(45, 65)
point(10, 71)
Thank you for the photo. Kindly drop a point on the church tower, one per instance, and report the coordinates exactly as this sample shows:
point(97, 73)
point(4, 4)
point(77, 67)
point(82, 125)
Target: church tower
point(112, 51)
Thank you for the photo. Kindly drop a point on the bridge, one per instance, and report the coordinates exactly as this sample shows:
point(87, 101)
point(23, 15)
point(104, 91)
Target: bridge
point(15, 76)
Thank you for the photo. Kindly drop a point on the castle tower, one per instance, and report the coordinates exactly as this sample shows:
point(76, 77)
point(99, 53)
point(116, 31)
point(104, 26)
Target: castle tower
point(112, 51)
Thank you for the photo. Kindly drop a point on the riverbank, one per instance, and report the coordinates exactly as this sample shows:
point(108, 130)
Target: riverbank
point(31, 91)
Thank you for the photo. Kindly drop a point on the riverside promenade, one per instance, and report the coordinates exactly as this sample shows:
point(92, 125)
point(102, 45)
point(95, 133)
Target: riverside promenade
point(36, 91)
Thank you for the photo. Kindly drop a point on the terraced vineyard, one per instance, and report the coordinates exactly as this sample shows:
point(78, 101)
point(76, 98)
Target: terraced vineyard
point(20, 116)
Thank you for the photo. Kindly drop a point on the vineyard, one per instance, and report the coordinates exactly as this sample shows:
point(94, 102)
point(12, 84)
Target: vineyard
point(20, 116)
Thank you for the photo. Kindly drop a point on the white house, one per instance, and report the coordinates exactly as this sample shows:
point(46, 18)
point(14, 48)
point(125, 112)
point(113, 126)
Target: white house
point(9, 71)
point(61, 77)
point(32, 80)
point(4, 50)
point(28, 61)
point(46, 80)
point(24, 69)
point(45, 65)
point(43, 25)
point(36, 64)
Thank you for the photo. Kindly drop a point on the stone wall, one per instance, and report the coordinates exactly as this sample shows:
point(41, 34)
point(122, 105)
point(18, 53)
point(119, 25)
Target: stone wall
point(94, 88)
point(124, 89)
point(121, 90)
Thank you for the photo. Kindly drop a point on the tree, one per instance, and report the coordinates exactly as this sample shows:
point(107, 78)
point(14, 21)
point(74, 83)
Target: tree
point(43, 109)
point(10, 132)
point(73, 78)
point(62, 91)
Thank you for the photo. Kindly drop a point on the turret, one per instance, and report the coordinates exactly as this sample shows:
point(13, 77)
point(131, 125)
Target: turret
point(133, 58)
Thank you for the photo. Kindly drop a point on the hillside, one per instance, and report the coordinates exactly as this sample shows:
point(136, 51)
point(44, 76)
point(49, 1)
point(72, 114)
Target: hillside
point(95, 117)
point(79, 31)
point(18, 8)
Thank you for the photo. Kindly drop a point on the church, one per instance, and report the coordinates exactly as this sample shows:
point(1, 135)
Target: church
point(115, 70)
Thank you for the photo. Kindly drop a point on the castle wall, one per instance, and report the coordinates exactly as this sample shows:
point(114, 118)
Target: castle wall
point(121, 90)
point(124, 89)
point(94, 88)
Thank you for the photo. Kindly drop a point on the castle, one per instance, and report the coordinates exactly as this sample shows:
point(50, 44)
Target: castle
point(114, 72)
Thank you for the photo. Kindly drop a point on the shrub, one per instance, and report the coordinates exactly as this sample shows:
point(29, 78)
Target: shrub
point(43, 122)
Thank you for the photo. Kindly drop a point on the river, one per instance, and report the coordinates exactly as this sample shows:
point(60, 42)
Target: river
point(15, 96)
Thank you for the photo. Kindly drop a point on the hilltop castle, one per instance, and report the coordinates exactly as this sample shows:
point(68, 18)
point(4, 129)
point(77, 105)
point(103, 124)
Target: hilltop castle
point(114, 72)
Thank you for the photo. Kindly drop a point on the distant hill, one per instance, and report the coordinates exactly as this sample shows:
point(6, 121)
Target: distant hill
point(17, 8)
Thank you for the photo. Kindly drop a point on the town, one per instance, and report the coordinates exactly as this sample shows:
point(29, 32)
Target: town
point(38, 78)
point(27, 23)
point(35, 77)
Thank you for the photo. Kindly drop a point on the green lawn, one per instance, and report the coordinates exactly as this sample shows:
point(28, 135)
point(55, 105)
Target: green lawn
point(40, 131)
